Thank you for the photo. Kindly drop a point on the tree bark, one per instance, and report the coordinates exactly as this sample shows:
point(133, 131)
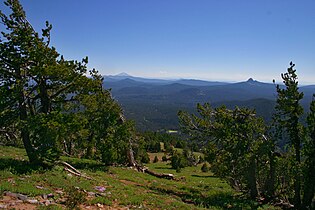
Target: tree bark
point(297, 177)
point(25, 135)
point(252, 179)
point(270, 185)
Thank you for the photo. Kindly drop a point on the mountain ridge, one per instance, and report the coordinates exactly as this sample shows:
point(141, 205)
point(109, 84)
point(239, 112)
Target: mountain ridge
point(154, 103)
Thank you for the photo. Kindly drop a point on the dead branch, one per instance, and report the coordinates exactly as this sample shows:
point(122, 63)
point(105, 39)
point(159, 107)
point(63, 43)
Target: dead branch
point(72, 170)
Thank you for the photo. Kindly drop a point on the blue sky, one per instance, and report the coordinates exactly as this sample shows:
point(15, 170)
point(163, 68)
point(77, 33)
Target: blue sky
point(229, 40)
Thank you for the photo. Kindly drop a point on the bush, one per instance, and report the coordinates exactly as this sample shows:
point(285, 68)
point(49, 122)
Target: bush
point(156, 159)
point(145, 158)
point(178, 161)
point(205, 167)
point(74, 198)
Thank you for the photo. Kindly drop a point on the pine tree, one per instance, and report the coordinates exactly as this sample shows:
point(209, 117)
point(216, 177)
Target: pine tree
point(51, 101)
point(289, 110)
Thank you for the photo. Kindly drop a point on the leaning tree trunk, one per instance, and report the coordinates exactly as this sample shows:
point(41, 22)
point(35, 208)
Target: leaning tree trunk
point(25, 135)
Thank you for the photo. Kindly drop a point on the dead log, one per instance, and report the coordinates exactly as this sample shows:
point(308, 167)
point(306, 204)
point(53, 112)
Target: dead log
point(153, 173)
point(72, 170)
point(159, 175)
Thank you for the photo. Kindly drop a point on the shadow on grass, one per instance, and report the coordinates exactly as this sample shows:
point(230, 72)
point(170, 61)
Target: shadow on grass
point(86, 164)
point(162, 167)
point(224, 200)
point(16, 166)
point(205, 176)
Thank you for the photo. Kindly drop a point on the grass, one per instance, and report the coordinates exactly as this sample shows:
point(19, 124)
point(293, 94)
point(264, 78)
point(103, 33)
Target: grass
point(125, 187)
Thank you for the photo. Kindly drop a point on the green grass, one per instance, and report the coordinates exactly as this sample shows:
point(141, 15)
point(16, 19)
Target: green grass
point(125, 187)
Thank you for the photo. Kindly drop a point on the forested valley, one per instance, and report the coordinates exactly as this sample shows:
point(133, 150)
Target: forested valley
point(65, 141)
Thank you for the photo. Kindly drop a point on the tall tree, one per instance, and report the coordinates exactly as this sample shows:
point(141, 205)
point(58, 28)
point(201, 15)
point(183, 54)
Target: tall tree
point(53, 102)
point(289, 110)
point(15, 46)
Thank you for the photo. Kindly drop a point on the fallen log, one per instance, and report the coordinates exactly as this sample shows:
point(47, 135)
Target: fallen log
point(159, 175)
point(72, 170)
point(153, 173)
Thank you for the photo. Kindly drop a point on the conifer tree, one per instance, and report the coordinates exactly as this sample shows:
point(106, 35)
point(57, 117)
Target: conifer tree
point(289, 110)
point(51, 101)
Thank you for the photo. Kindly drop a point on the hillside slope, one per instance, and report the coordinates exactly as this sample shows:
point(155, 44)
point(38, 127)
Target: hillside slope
point(25, 187)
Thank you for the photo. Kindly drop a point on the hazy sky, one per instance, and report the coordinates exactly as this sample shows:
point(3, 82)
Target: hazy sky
point(206, 39)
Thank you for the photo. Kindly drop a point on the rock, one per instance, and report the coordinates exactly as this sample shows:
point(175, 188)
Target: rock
point(59, 192)
point(100, 188)
point(92, 194)
point(50, 195)
point(16, 195)
point(32, 201)
point(100, 205)
point(3, 206)
point(47, 202)
point(22, 197)
point(10, 194)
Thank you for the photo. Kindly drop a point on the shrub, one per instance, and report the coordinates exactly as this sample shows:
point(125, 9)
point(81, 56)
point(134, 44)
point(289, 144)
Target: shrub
point(178, 161)
point(74, 197)
point(145, 158)
point(205, 167)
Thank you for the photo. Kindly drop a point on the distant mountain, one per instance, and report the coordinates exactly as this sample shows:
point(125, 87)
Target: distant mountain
point(154, 103)
point(192, 82)
point(122, 76)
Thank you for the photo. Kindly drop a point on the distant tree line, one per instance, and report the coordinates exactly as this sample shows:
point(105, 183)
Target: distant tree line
point(162, 142)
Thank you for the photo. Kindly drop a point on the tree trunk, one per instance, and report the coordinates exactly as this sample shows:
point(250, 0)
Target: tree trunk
point(270, 185)
point(252, 179)
point(297, 177)
point(90, 146)
point(25, 132)
point(44, 98)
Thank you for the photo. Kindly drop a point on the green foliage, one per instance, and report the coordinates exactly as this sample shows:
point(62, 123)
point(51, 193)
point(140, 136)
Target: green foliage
point(55, 105)
point(205, 167)
point(178, 161)
point(236, 143)
point(288, 114)
point(145, 158)
point(242, 150)
point(74, 197)
point(153, 141)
